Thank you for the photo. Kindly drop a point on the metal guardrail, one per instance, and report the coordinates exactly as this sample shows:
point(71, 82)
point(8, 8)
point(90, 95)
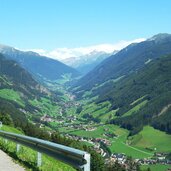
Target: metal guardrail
point(76, 158)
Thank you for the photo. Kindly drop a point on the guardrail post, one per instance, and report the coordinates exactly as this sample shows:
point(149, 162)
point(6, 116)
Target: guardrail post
point(39, 159)
point(6, 140)
point(86, 167)
point(18, 148)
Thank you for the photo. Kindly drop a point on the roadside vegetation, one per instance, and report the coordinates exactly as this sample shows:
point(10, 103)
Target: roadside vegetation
point(28, 157)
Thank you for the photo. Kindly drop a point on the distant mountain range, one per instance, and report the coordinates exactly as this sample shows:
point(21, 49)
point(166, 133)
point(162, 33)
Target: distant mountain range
point(86, 63)
point(40, 66)
point(126, 61)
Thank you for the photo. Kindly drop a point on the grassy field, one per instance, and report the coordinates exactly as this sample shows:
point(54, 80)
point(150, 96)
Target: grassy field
point(153, 139)
point(12, 95)
point(102, 108)
point(97, 133)
point(87, 94)
point(118, 144)
point(107, 115)
point(46, 106)
point(98, 110)
point(135, 109)
point(65, 78)
point(102, 112)
point(11, 129)
point(71, 110)
point(156, 167)
point(136, 101)
point(89, 108)
point(28, 157)
point(4, 80)
point(66, 129)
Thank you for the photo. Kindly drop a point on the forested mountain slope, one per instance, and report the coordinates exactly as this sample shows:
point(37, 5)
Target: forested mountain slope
point(39, 66)
point(127, 61)
point(17, 87)
point(142, 98)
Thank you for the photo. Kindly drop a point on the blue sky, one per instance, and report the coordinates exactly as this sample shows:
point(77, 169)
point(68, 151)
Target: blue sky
point(50, 24)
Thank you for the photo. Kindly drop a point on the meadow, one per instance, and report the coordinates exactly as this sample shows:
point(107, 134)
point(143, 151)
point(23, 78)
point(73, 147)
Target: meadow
point(156, 167)
point(135, 109)
point(150, 138)
point(12, 95)
point(118, 144)
point(46, 106)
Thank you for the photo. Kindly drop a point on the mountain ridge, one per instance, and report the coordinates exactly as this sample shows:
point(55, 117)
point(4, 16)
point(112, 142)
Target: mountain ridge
point(16, 87)
point(128, 60)
point(86, 63)
point(37, 64)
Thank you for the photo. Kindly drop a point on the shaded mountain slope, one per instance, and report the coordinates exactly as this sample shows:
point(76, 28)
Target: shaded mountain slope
point(128, 60)
point(17, 90)
point(39, 66)
point(15, 77)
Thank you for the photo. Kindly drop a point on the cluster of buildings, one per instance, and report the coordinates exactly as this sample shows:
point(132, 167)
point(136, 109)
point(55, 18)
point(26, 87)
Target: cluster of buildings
point(96, 143)
point(120, 158)
point(159, 158)
point(153, 161)
point(103, 140)
point(61, 120)
point(70, 104)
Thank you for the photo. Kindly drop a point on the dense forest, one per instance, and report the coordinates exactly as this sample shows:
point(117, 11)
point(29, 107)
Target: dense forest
point(151, 85)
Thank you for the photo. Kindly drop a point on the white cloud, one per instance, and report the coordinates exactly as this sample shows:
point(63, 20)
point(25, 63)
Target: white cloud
point(63, 53)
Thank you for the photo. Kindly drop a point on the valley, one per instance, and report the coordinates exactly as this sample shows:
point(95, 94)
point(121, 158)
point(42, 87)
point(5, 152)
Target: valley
point(121, 115)
point(87, 122)
point(85, 85)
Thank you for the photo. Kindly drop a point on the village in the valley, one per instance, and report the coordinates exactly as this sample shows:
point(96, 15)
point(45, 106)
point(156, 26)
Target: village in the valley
point(101, 144)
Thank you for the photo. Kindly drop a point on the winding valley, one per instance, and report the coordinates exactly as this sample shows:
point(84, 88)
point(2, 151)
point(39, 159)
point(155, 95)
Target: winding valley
point(119, 109)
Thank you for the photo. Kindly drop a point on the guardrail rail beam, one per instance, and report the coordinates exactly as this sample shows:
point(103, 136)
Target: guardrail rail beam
point(74, 157)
